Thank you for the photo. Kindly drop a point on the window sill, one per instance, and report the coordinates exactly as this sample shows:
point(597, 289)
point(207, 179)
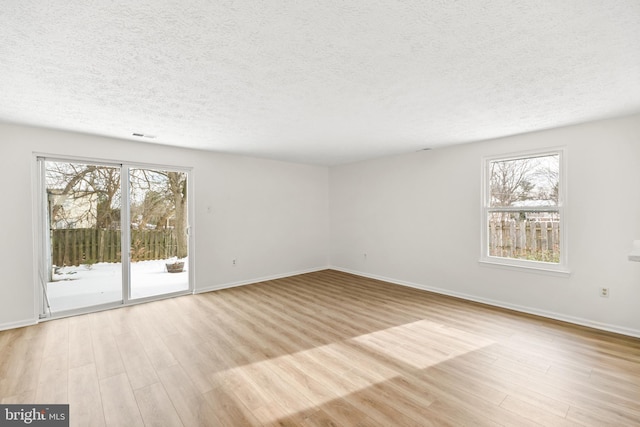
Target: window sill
point(539, 268)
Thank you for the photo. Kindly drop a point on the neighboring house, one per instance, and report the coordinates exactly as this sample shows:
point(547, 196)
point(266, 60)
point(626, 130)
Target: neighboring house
point(544, 216)
point(75, 210)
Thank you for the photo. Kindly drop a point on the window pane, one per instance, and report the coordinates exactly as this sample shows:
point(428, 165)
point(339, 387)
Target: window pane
point(159, 240)
point(84, 265)
point(526, 182)
point(533, 236)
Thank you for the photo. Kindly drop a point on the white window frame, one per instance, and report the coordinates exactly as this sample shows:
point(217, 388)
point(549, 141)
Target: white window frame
point(562, 267)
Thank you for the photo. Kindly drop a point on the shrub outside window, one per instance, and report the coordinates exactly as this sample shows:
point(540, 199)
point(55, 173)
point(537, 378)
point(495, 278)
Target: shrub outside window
point(523, 211)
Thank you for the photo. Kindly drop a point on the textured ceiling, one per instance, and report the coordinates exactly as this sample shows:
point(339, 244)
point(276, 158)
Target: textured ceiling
point(317, 81)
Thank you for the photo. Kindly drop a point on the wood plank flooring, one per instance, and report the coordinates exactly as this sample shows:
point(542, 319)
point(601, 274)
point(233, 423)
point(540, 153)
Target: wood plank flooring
point(322, 349)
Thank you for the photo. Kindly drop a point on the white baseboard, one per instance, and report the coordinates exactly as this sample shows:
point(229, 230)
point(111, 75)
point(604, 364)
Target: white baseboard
point(529, 310)
point(17, 324)
point(257, 280)
point(523, 309)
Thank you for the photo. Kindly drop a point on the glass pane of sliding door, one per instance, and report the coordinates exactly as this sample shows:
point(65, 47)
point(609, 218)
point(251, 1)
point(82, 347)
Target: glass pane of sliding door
point(159, 244)
point(83, 266)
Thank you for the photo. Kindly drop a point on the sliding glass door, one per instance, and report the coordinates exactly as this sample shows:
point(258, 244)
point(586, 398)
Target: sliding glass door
point(102, 249)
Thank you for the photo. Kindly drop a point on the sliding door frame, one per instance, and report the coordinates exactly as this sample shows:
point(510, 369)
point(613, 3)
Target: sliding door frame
point(42, 240)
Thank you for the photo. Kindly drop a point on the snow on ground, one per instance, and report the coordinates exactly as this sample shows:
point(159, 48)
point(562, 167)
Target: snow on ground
point(84, 286)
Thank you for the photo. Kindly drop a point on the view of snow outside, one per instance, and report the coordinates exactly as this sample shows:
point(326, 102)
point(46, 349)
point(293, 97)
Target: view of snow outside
point(84, 285)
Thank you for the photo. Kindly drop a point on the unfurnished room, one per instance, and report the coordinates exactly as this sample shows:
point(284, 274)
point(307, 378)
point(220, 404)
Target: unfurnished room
point(320, 213)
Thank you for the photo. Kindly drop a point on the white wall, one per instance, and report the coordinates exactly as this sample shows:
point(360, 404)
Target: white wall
point(271, 216)
point(417, 217)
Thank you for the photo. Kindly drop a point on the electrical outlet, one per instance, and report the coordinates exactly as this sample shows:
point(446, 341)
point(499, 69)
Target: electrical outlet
point(234, 262)
point(604, 292)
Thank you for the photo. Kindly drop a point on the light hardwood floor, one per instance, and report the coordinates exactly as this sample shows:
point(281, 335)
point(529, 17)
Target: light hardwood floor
point(322, 349)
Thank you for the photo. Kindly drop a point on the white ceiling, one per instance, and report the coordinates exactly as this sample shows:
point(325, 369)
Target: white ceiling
point(317, 81)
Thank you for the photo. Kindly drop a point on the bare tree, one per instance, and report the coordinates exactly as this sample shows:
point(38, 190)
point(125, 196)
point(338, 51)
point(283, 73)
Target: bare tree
point(161, 196)
point(178, 190)
point(510, 181)
point(549, 178)
point(95, 190)
point(534, 178)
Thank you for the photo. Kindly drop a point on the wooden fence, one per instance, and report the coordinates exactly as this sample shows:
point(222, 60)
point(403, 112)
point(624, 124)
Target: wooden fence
point(539, 241)
point(89, 245)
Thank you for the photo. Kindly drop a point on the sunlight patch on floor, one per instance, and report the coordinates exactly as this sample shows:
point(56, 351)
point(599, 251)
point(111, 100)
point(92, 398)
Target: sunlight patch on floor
point(422, 343)
point(301, 382)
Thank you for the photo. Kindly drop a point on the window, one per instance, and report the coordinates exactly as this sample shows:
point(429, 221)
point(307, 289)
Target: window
point(523, 211)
